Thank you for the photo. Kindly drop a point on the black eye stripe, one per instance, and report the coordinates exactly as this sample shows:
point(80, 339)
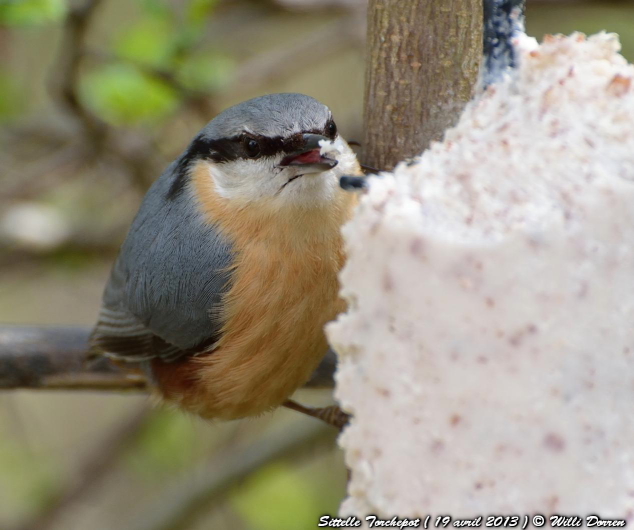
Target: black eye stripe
point(234, 148)
point(229, 149)
point(198, 149)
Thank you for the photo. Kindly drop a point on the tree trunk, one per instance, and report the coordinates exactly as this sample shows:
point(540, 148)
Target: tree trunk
point(422, 66)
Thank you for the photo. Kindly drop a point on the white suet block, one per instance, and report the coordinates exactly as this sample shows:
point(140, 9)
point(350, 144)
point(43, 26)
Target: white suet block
point(488, 351)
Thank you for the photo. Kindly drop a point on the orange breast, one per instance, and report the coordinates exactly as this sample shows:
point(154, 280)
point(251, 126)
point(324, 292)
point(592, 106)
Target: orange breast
point(284, 289)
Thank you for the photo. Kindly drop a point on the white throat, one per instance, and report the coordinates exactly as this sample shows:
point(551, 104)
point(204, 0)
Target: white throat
point(246, 180)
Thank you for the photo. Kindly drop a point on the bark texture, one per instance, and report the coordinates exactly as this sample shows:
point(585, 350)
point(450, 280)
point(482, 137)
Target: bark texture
point(422, 66)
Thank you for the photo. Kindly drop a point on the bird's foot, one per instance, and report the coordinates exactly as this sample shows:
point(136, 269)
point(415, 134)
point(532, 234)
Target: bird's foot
point(332, 415)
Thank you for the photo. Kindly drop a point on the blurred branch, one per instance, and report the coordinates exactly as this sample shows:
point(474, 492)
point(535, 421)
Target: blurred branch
point(97, 466)
point(66, 82)
point(198, 100)
point(140, 160)
point(139, 155)
point(318, 45)
point(181, 505)
point(55, 359)
point(37, 177)
point(319, 5)
point(265, 67)
point(84, 244)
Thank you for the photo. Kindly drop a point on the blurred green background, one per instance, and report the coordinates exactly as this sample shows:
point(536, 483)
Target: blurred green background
point(95, 99)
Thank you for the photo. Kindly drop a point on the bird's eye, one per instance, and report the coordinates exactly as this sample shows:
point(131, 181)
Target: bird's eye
point(331, 129)
point(252, 147)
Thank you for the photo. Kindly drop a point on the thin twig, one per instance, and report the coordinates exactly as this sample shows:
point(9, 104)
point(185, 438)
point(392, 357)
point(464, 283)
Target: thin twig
point(181, 505)
point(265, 67)
point(65, 87)
point(33, 179)
point(283, 61)
point(100, 136)
point(140, 156)
point(304, 6)
point(166, 76)
point(96, 467)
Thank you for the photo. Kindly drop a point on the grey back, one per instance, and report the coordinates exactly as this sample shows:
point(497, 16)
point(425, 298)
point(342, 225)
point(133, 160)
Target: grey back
point(168, 281)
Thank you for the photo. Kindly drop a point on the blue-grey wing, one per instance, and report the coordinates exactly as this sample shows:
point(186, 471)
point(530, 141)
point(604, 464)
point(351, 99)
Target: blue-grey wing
point(165, 293)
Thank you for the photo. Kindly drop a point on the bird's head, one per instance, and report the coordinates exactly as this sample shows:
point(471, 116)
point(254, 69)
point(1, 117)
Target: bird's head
point(270, 149)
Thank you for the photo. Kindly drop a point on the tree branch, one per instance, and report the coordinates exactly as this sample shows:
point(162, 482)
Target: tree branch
point(66, 81)
point(55, 359)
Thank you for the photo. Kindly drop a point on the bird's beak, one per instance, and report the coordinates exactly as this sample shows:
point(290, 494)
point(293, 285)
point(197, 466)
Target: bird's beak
point(309, 155)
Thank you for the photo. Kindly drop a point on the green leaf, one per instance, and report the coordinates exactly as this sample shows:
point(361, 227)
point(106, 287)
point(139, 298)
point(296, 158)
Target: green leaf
point(277, 498)
point(199, 10)
point(166, 444)
point(150, 41)
point(31, 12)
point(156, 7)
point(122, 95)
point(27, 480)
point(11, 100)
point(205, 71)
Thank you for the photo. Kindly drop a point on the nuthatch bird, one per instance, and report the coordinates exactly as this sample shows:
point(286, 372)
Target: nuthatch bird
point(229, 271)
